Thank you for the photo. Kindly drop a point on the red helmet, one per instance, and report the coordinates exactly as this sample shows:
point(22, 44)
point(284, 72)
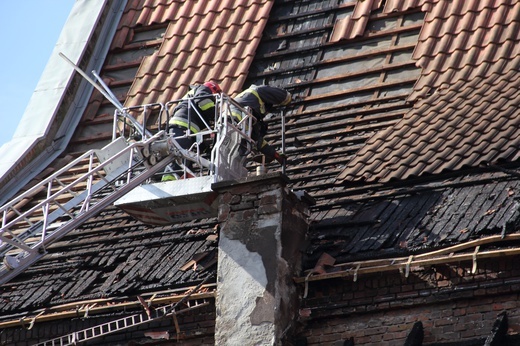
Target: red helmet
point(214, 87)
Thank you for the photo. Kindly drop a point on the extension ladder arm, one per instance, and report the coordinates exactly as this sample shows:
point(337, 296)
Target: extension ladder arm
point(90, 204)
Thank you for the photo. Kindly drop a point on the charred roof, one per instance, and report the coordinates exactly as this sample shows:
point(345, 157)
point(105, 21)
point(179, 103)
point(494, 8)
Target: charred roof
point(390, 148)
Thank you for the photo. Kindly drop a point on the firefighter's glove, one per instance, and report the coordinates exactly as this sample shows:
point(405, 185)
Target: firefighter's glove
point(281, 158)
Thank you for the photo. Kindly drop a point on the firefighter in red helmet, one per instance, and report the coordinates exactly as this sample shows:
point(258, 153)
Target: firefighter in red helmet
point(194, 118)
point(204, 103)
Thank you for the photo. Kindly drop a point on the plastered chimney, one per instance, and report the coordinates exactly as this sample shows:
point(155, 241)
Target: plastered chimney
point(262, 229)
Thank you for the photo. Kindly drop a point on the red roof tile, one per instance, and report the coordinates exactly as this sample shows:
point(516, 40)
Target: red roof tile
point(402, 5)
point(204, 40)
point(465, 111)
point(463, 40)
point(128, 20)
point(354, 25)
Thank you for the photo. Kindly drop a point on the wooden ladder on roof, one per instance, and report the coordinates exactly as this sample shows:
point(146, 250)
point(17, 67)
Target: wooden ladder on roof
point(112, 172)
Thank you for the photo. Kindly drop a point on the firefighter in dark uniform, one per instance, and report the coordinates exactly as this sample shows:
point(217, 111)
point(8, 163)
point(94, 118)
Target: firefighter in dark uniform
point(185, 117)
point(261, 99)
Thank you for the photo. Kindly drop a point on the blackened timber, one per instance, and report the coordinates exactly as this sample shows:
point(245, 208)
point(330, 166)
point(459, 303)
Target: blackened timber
point(378, 69)
point(348, 133)
point(377, 86)
point(320, 47)
point(343, 59)
point(352, 117)
point(370, 122)
point(303, 14)
point(499, 332)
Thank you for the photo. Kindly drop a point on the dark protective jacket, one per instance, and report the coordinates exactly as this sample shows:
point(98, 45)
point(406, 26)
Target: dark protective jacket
point(204, 102)
point(261, 99)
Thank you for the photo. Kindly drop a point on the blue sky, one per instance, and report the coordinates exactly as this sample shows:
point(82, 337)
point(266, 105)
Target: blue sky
point(29, 29)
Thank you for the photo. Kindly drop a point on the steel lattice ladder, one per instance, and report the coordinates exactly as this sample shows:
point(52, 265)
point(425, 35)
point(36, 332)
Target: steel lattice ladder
point(123, 323)
point(112, 172)
point(150, 315)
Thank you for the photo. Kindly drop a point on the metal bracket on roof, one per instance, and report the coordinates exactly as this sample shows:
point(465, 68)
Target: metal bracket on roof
point(407, 268)
point(31, 324)
point(87, 309)
point(474, 268)
point(306, 289)
point(356, 271)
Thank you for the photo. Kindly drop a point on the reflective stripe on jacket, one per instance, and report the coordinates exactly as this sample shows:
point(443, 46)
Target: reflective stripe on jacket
point(201, 100)
point(261, 97)
point(204, 104)
point(184, 123)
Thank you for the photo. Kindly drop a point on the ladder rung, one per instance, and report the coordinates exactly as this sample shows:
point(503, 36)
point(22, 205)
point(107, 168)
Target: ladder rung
point(75, 198)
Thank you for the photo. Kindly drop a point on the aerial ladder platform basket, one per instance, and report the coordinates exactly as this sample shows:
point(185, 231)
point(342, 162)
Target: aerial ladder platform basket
point(185, 199)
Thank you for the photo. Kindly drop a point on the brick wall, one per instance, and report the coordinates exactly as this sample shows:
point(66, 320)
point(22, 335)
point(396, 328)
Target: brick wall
point(380, 309)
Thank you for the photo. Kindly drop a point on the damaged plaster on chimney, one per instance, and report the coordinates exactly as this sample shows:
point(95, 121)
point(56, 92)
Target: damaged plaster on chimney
point(262, 227)
point(244, 281)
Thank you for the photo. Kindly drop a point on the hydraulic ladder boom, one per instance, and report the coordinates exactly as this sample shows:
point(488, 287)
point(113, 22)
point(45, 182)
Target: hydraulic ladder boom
point(112, 172)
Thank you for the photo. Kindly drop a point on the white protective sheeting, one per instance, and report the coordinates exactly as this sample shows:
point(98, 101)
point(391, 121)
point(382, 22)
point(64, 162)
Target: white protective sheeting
point(45, 102)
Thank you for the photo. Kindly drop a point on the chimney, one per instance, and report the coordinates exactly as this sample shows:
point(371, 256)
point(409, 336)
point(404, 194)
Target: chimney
point(262, 230)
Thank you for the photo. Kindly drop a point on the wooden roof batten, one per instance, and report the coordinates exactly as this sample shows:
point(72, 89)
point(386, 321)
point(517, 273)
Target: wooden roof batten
point(321, 109)
point(447, 255)
point(89, 308)
point(188, 302)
